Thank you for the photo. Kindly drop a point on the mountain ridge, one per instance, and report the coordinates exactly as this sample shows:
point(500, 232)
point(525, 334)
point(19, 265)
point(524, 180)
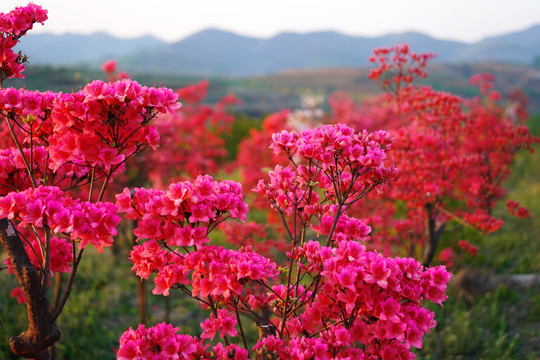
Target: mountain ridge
point(214, 52)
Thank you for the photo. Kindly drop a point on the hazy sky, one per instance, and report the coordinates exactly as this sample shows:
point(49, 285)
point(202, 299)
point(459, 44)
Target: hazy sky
point(172, 20)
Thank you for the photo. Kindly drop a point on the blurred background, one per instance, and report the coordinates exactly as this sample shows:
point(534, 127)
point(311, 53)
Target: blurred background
point(268, 54)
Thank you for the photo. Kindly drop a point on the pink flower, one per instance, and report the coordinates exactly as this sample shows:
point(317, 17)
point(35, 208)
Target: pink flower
point(13, 99)
point(389, 310)
point(109, 66)
point(34, 213)
point(168, 276)
point(447, 256)
point(161, 341)
point(123, 201)
point(378, 273)
point(31, 103)
point(438, 277)
point(18, 294)
point(201, 212)
point(225, 323)
point(110, 157)
point(347, 278)
point(148, 229)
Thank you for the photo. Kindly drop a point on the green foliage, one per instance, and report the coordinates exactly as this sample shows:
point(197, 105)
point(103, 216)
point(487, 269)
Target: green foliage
point(534, 124)
point(494, 327)
point(240, 129)
point(63, 79)
point(12, 316)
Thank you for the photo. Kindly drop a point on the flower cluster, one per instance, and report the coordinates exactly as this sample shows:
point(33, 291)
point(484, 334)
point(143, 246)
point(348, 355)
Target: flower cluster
point(181, 218)
point(345, 164)
point(446, 257)
point(109, 67)
point(483, 221)
point(398, 65)
point(346, 228)
point(158, 342)
point(26, 103)
point(13, 174)
point(185, 203)
point(61, 255)
point(85, 222)
point(162, 342)
point(212, 270)
point(21, 19)
point(99, 126)
point(367, 305)
point(14, 25)
point(335, 146)
point(18, 294)
point(222, 273)
point(516, 210)
point(224, 322)
point(106, 122)
point(468, 247)
point(345, 301)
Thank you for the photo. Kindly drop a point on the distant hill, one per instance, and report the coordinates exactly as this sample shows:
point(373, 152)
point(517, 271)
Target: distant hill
point(76, 49)
point(517, 47)
point(214, 52)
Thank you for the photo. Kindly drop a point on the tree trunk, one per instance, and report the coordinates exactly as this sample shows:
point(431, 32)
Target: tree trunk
point(433, 234)
point(32, 343)
point(141, 299)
